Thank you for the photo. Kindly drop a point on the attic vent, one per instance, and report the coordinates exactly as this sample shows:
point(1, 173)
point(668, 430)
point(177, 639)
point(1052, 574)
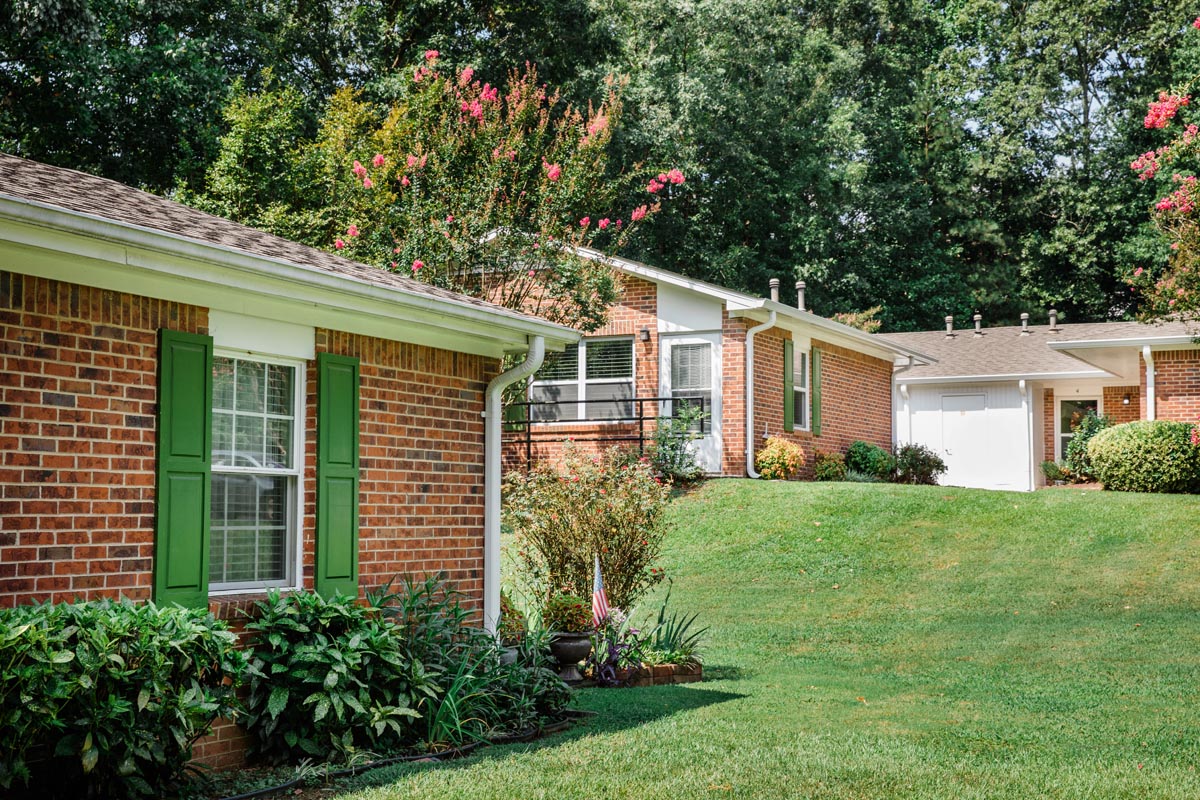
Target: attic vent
point(1024, 324)
point(775, 289)
point(978, 324)
point(800, 287)
point(1053, 320)
point(950, 327)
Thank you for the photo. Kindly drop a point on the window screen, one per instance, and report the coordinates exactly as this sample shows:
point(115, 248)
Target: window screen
point(254, 473)
point(800, 389)
point(691, 377)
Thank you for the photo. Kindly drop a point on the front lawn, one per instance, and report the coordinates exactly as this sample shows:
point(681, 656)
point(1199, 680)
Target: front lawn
point(874, 641)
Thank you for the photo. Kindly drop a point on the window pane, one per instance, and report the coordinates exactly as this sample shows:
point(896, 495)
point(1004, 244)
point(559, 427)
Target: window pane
point(691, 366)
point(800, 371)
point(611, 358)
point(609, 392)
point(251, 379)
point(279, 444)
point(222, 438)
point(567, 393)
point(222, 383)
point(248, 441)
point(1072, 411)
point(248, 538)
point(682, 398)
point(800, 409)
point(279, 389)
point(562, 366)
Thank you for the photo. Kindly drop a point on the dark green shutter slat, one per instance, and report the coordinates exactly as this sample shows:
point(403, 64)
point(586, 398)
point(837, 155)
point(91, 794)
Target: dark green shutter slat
point(184, 454)
point(816, 392)
point(789, 386)
point(337, 475)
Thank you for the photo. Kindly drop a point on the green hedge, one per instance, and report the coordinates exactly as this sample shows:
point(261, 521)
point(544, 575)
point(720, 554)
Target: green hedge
point(105, 699)
point(1146, 456)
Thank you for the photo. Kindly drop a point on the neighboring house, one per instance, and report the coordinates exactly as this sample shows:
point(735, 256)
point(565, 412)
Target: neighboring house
point(999, 401)
point(194, 411)
point(672, 339)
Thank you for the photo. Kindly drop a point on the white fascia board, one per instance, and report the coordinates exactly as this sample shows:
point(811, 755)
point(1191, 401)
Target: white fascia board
point(852, 338)
point(1141, 341)
point(141, 258)
point(1028, 376)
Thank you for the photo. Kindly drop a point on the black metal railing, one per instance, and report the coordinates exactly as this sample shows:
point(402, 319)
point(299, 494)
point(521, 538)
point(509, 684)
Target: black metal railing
point(627, 415)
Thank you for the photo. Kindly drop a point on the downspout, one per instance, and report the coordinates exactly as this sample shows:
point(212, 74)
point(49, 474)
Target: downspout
point(492, 475)
point(1148, 357)
point(904, 396)
point(1027, 411)
point(750, 334)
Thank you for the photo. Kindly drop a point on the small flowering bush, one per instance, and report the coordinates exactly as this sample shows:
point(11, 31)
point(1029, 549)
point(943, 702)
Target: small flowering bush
point(1172, 290)
point(563, 515)
point(512, 627)
point(486, 192)
point(829, 466)
point(779, 460)
point(616, 646)
point(1147, 456)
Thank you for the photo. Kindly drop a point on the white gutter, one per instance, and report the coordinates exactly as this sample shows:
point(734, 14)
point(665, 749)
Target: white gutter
point(750, 334)
point(1148, 357)
point(1016, 376)
point(491, 478)
point(1157, 341)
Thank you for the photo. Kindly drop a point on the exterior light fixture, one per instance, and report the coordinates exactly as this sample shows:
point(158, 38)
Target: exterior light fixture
point(644, 335)
point(1125, 400)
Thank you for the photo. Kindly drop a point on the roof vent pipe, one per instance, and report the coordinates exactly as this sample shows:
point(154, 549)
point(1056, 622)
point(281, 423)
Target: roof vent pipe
point(1053, 320)
point(1024, 324)
point(949, 326)
point(775, 289)
point(978, 324)
point(800, 287)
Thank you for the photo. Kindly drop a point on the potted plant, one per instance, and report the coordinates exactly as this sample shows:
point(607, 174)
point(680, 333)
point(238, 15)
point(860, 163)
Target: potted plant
point(511, 629)
point(569, 620)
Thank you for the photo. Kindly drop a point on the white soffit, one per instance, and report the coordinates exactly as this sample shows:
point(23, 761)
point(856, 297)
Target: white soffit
point(258, 335)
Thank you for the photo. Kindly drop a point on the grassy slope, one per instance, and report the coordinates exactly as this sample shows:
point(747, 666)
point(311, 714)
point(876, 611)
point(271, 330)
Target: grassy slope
point(881, 641)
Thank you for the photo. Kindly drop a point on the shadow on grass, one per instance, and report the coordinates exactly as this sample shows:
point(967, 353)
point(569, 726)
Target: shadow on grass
point(726, 672)
point(617, 710)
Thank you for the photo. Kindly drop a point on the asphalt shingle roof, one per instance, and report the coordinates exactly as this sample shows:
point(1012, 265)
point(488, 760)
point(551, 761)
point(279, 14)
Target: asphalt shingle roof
point(1005, 351)
point(100, 197)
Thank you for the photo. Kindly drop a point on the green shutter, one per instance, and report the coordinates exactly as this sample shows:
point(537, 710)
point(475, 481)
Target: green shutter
point(816, 392)
point(337, 475)
point(789, 386)
point(184, 453)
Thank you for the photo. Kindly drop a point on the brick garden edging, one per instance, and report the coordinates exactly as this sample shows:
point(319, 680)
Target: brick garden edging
point(665, 674)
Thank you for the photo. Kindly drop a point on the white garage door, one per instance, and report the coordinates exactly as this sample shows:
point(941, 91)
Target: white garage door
point(981, 431)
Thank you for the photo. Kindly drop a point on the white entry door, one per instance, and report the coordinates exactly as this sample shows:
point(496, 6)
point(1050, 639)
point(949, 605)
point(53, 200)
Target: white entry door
point(690, 371)
point(965, 437)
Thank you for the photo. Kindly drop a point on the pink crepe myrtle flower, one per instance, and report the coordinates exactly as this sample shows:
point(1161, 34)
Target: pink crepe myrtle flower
point(675, 176)
point(338, 244)
point(1137, 272)
point(417, 264)
point(553, 171)
point(602, 224)
point(449, 218)
point(378, 160)
point(489, 94)
point(392, 264)
point(583, 223)
point(367, 184)
point(653, 187)
point(1196, 23)
point(411, 160)
point(638, 213)
point(404, 181)
point(1163, 110)
point(352, 230)
point(431, 55)
point(359, 170)
point(532, 273)
point(465, 76)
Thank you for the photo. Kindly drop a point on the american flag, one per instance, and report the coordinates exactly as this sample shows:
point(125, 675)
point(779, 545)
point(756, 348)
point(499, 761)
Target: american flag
point(599, 599)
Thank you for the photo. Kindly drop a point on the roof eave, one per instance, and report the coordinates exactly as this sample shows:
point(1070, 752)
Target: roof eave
point(510, 330)
point(1140, 341)
point(908, 378)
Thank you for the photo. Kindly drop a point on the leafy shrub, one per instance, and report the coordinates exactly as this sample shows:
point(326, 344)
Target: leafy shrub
point(673, 456)
point(918, 464)
point(829, 466)
point(1146, 456)
point(328, 678)
point(673, 640)
point(105, 699)
point(616, 645)
point(512, 626)
point(779, 459)
point(1054, 471)
point(870, 459)
point(564, 515)
point(1077, 461)
point(566, 613)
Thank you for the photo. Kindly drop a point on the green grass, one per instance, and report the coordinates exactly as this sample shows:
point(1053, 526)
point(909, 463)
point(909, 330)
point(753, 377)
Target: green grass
point(875, 641)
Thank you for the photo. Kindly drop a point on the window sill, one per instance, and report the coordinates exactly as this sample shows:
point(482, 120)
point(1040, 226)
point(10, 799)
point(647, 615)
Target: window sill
point(237, 606)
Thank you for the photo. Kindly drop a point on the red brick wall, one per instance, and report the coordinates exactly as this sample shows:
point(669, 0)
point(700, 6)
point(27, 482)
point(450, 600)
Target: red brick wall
point(77, 409)
point(856, 398)
point(1114, 403)
point(1049, 417)
point(733, 392)
point(1177, 384)
point(636, 308)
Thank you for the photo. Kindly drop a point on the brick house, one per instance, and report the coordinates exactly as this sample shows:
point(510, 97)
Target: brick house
point(1000, 400)
point(672, 339)
point(194, 411)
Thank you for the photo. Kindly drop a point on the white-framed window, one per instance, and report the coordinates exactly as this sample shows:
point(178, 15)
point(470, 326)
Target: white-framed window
point(692, 378)
point(257, 468)
point(1070, 411)
point(800, 390)
point(591, 380)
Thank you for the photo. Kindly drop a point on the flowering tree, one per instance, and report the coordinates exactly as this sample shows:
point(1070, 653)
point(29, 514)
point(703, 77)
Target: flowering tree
point(1173, 292)
point(484, 192)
